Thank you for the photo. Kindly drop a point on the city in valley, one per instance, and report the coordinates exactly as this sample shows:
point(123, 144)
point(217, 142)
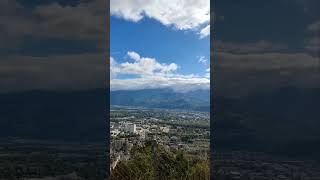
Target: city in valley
point(172, 130)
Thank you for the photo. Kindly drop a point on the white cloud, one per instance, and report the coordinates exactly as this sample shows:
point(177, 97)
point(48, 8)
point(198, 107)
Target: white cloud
point(114, 69)
point(182, 15)
point(205, 32)
point(207, 73)
point(178, 83)
point(145, 65)
point(203, 60)
point(134, 55)
point(152, 74)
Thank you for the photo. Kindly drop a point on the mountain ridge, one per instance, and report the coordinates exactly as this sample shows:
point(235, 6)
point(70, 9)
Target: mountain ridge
point(198, 100)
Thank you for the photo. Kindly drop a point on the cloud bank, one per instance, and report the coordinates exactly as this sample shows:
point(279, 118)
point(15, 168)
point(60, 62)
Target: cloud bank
point(148, 73)
point(182, 15)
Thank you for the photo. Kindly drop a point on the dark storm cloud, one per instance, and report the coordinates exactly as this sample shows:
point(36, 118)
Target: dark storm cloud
point(84, 23)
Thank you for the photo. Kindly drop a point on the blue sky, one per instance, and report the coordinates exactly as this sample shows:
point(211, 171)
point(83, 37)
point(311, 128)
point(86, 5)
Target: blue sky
point(151, 39)
point(153, 34)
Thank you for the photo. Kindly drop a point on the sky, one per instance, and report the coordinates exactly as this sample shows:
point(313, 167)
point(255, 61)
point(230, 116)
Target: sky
point(43, 42)
point(266, 75)
point(160, 44)
point(263, 46)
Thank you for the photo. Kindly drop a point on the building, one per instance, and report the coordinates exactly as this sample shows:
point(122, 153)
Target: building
point(114, 132)
point(131, 128)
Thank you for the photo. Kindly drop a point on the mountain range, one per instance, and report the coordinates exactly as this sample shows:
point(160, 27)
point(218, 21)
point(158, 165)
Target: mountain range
point(197, 100)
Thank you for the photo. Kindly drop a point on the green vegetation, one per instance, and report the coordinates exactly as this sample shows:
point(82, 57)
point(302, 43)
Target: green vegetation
point(154, 162)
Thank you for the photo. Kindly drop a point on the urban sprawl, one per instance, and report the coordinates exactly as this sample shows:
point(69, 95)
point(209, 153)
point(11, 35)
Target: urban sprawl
point(172, 129)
